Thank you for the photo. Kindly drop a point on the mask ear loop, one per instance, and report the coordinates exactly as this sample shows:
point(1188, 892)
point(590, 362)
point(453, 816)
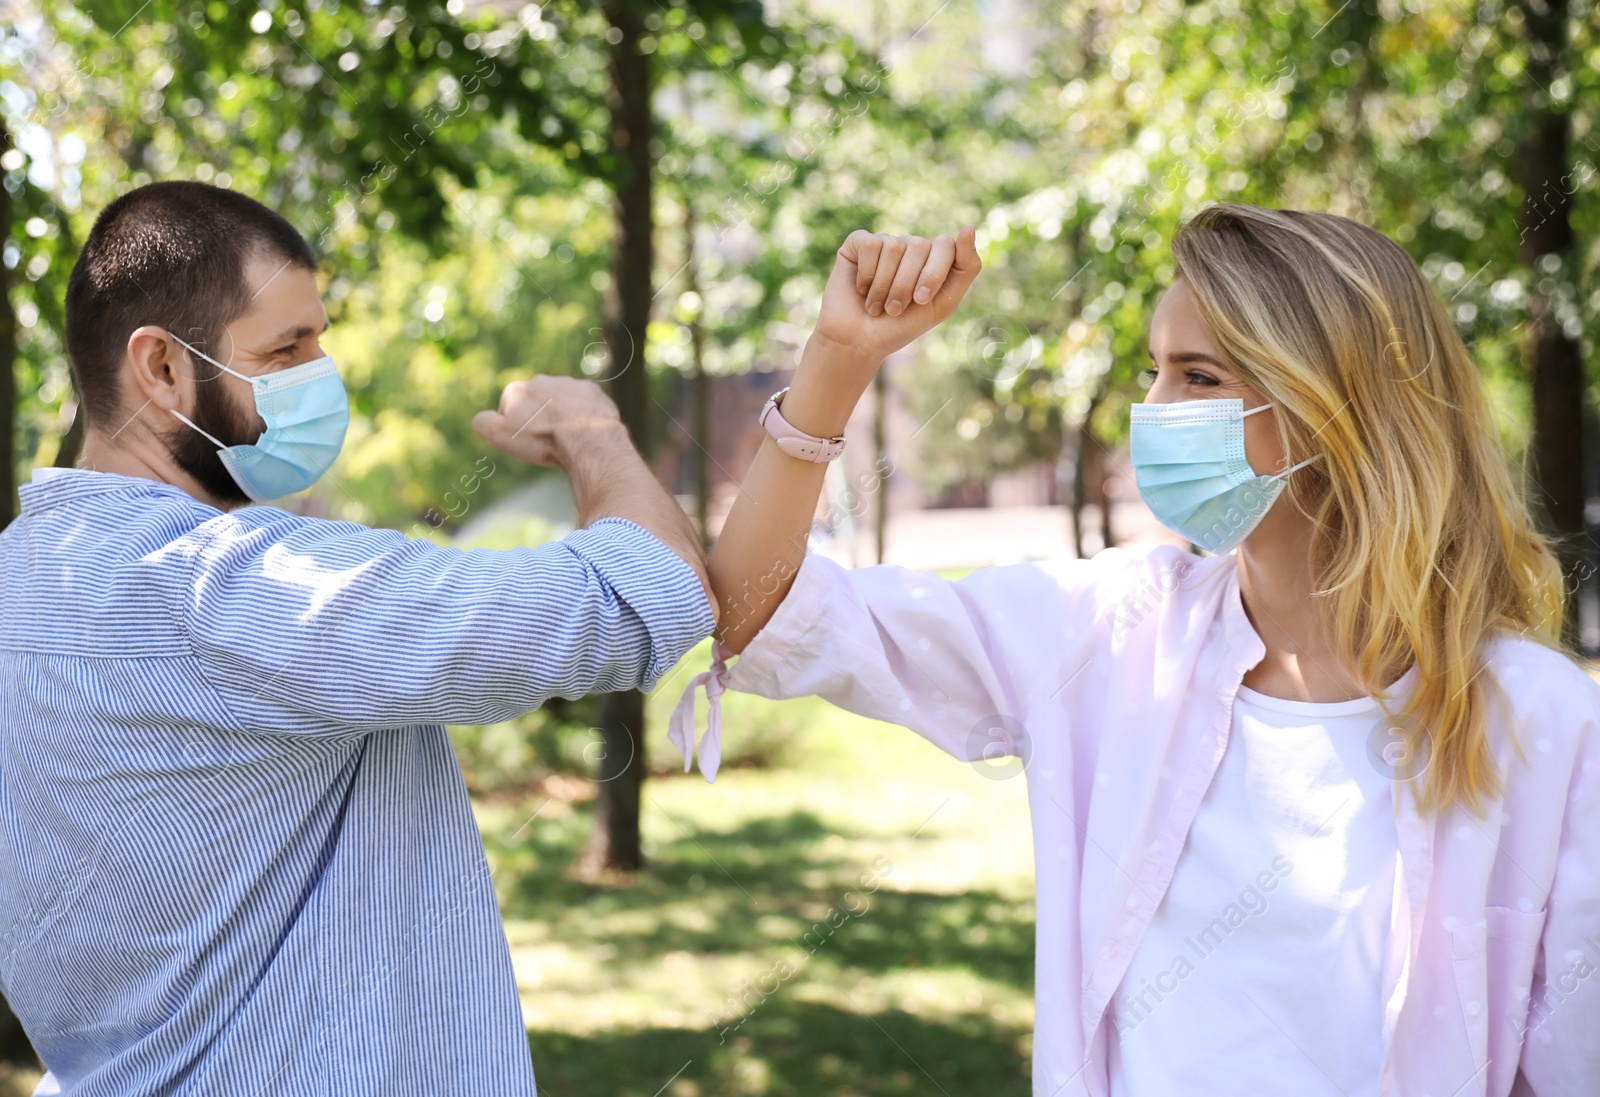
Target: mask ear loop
point(1285, 472)
point(1292, 468)
point(192, 350)
point(213, 361)
point(220, 446)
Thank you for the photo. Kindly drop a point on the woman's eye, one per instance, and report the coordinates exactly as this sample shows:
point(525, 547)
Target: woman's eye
point(1194, 377)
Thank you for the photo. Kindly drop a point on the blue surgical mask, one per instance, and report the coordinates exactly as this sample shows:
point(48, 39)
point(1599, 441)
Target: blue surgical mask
point(306, 411)
point(1189, 464)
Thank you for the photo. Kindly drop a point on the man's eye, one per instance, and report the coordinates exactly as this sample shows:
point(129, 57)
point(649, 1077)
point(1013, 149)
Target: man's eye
point(285, 350)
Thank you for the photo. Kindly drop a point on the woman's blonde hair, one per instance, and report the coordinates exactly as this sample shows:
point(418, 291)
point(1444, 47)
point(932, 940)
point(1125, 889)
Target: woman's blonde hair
point(1422, 547)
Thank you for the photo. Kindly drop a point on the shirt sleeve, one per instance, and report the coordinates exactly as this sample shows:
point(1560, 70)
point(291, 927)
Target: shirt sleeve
point(960, 662)
point(1561, 1055)
point(315, 626)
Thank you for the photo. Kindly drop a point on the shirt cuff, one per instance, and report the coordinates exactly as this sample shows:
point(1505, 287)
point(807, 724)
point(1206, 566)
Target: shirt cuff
point(655, 582)
point(757, 669)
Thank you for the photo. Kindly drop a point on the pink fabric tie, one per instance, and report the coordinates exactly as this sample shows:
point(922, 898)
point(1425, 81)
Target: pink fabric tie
point(680, 729)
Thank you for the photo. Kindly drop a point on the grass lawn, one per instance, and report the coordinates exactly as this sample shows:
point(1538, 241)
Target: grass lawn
point(856, 921)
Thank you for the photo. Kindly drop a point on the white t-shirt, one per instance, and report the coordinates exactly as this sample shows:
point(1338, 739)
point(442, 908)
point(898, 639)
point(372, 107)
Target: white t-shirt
point(1262, 970)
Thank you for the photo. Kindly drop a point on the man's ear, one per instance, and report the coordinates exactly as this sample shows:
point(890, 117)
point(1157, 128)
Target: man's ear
point(160, 369)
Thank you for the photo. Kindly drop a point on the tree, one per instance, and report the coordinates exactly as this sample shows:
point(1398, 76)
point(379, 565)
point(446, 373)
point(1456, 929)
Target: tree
point(1550, 252)
point(738, 34)
point(615, 843)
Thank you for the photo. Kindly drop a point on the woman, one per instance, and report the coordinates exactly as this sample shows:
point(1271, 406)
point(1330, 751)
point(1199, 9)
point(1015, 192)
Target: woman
point(1316, 813)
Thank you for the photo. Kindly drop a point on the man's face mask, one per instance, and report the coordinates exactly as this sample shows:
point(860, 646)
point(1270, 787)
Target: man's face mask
point(306, 411)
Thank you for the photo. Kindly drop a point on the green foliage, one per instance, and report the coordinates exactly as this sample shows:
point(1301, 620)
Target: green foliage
point(483, 138)
point(453, 170)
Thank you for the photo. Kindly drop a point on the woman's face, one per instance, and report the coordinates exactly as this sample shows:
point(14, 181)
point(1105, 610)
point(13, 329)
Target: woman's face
point(1186, 365)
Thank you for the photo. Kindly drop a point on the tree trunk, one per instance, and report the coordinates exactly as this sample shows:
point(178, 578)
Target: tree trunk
point(1553, 357)
point(8, 363)
point(614, 842)
point(1072, 443)
point(1101, 472)
point(1084, 444)
point(1088, 477)
point(1082, 438)
point(701, 387)
point(614, 839)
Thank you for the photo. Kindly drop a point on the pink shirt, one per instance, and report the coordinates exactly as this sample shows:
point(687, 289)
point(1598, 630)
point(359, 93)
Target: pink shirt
point(1114, 678)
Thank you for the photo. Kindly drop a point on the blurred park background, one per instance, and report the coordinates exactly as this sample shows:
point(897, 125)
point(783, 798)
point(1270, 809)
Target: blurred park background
point(650, 194)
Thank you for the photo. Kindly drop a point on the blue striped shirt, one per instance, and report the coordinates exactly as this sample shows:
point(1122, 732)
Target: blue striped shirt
point(237, 854)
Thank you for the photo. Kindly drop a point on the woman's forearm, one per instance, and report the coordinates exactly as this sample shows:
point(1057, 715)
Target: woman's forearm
point(764, 539)
point(884, 292)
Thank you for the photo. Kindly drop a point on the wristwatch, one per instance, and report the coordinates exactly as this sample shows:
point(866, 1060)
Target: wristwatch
point(794, 442)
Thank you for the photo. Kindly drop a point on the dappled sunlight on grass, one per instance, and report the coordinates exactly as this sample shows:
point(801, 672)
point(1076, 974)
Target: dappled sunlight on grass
point(842, 924)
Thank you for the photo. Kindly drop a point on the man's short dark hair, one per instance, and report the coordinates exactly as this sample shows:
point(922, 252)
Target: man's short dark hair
point(172, 254)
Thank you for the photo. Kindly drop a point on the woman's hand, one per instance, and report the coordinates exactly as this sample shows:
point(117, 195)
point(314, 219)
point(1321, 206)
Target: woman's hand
point(885, 291)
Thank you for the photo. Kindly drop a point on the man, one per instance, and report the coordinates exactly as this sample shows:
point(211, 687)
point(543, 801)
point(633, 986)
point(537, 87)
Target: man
point(237, 853)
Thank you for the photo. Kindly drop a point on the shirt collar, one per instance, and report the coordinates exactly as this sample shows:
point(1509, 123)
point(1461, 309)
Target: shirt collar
point(1240, 634)
point(53, 486)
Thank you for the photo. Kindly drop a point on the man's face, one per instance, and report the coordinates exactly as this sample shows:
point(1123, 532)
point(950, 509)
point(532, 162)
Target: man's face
point(281, 329)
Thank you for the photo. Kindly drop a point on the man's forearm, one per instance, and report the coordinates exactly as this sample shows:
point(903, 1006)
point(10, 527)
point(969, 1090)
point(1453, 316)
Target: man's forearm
point(610, 479)
point(763, 542)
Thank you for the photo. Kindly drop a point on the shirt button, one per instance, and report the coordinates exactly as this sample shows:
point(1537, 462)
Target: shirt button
point(1473, 1008)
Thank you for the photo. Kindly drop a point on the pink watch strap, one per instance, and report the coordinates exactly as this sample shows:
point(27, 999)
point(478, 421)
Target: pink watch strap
point(795, 442)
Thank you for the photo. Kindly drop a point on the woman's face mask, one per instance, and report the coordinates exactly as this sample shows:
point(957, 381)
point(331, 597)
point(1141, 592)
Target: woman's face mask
point(306, 411)
point(1190, 467)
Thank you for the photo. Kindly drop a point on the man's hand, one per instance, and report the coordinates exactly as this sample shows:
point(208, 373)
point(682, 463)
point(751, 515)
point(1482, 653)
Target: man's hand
point(545, 419)
point(572, 423)
point(887, 290)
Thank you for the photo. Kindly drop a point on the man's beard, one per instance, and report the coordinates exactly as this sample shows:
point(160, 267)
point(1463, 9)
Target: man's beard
point(197, 456)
